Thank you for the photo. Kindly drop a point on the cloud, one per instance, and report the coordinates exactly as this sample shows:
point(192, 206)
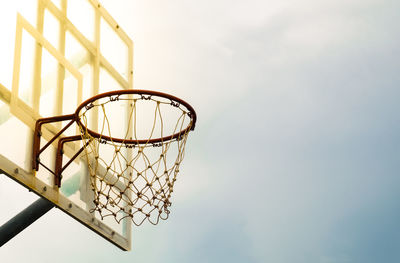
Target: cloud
point(295, 156)
point(312, 138)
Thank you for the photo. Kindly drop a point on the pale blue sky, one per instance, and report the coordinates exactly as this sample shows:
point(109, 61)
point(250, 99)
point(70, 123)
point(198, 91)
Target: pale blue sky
point(296, 154)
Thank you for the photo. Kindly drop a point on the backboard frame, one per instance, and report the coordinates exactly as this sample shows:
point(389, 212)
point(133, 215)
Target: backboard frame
point(28, 115)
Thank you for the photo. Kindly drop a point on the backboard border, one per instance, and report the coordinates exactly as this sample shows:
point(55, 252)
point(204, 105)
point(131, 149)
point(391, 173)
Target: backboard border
point(99, 62)
point(32, 183)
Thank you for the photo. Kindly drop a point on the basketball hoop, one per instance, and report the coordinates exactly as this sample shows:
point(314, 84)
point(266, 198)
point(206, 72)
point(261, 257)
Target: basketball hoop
point(132, 172)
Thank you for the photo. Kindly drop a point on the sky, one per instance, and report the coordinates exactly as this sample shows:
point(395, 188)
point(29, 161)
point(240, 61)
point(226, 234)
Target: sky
point(295, 156)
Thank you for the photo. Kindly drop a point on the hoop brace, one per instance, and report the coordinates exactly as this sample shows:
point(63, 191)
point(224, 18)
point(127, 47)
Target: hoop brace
point(58, 169)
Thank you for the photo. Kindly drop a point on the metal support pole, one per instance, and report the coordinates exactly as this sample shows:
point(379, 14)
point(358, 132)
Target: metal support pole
point(24, 219)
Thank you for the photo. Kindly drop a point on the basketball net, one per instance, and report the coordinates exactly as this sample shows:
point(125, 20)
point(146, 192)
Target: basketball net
point(134, 180)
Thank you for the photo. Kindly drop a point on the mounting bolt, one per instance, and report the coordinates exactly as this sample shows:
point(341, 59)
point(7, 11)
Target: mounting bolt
point(70, 205)
point(44, 189)
point(16, 170)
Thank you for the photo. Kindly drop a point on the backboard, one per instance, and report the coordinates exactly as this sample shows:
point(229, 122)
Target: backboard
point(56, 54)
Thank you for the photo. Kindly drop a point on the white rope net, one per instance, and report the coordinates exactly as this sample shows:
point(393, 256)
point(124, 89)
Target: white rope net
point(134, 180)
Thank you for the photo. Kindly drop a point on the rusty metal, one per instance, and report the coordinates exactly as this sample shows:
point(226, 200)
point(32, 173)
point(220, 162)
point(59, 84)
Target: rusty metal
point(173, 99)
point(37, 134)
point(88, 104)
point(59, 168)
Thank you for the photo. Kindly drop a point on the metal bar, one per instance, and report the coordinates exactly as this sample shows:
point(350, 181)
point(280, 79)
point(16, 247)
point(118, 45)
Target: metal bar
point(56, 136)
point(24, 219)
point(58, 107)
point(59, 156)
point(37, 75)
point(111, 22)
point(73, 157)
point(36, 151)
point(47, 168)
